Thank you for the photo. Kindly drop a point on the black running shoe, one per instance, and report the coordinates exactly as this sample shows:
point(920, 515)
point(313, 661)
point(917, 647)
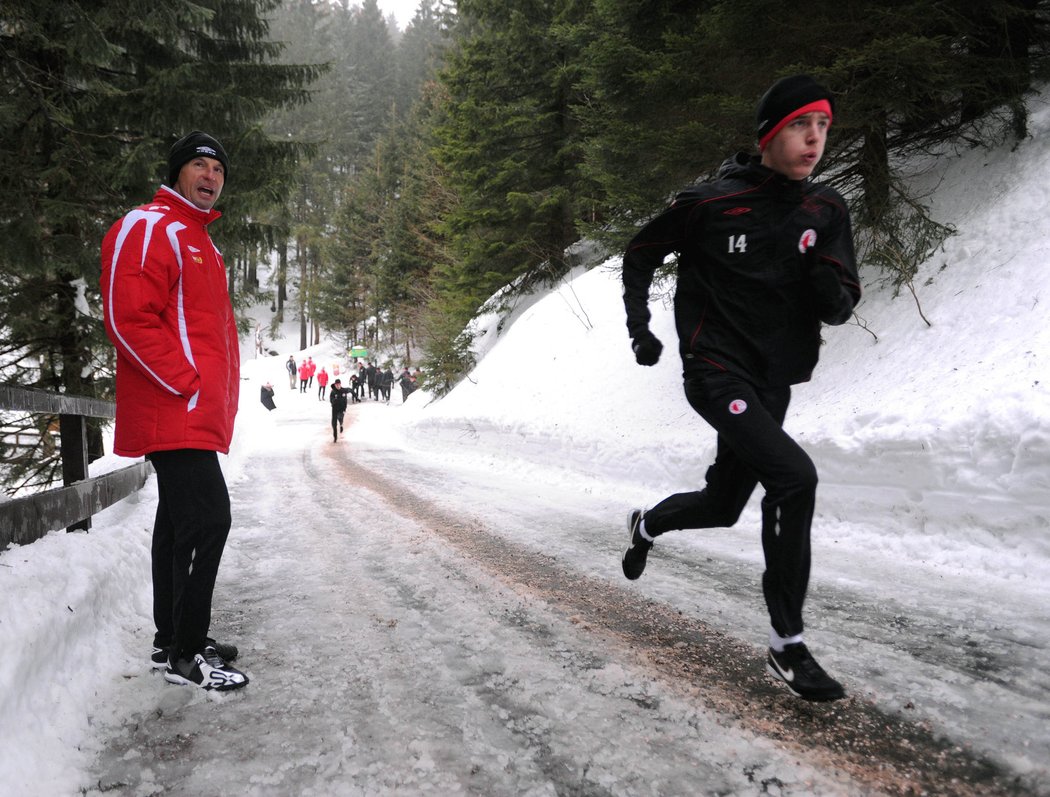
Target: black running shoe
point(804, 677)
point(638, 548)
point(159, 657)
point(206, 670)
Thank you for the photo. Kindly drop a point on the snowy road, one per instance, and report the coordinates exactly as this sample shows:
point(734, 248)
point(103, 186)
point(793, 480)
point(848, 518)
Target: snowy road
point(415, 629)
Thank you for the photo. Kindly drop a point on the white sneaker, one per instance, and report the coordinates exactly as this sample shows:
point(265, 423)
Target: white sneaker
point(206, 670)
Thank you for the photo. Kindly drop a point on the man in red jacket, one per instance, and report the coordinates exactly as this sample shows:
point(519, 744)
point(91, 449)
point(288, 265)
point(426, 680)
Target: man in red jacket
point(168, 313)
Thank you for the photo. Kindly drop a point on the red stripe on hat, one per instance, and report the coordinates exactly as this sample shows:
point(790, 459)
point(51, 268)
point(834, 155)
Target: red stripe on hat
point(820, 105)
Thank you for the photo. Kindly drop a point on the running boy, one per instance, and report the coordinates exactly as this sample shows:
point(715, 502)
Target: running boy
point(764, 256)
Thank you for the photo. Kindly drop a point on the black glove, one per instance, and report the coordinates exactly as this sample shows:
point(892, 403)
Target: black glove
point(647, 348)
point(822, 276)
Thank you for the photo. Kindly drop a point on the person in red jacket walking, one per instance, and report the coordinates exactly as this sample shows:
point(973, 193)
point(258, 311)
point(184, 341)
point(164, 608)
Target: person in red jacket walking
point(322, 380)
point(168, 313)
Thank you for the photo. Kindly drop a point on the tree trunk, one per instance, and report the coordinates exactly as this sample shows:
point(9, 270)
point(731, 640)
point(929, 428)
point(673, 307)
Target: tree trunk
point(303, 278)
point(282, 278)
point(874, 167)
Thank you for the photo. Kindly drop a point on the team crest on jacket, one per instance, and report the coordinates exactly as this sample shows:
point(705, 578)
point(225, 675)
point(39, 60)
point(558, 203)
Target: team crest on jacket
point(808, 239)
point(737, 407)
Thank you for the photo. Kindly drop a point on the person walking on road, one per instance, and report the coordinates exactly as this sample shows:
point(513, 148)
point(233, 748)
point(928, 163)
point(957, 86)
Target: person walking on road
point(292, 371)
point(372, 378)
point(337, 398)
point(167, 312)
point(764, 256)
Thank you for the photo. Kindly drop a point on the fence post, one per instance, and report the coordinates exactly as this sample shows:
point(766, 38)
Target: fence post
point(73, 429)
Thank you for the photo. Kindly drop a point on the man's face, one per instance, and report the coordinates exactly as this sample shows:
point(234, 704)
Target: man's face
point(200, 181)
point(797, 149)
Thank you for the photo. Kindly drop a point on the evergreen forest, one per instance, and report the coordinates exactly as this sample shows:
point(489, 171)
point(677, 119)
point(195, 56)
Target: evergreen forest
point(399, 178)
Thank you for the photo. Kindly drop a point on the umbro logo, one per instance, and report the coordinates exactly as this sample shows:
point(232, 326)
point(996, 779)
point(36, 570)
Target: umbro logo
point(737, 211)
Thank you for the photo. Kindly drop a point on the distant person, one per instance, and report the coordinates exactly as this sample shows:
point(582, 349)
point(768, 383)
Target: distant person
point(293, 371)
point(385, 383)
point(362, 377)
point(168, 313)
point(304, 376)
point(371, 372)
point(311, 369)
point(337, 397)
point(408, 384)
point(322, 381)
point(266, 396)
point(764, 257)
point(355, 389)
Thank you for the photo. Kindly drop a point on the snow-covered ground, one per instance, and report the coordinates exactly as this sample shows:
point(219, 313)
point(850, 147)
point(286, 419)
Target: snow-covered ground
point(929, 592)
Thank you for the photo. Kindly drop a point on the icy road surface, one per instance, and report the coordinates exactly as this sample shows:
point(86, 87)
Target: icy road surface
point(411, 627)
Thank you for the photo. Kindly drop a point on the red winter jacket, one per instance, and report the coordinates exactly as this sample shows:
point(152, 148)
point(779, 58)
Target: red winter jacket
point(168, 312)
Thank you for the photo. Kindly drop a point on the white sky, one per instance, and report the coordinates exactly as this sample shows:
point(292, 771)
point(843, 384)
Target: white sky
point(403, 10)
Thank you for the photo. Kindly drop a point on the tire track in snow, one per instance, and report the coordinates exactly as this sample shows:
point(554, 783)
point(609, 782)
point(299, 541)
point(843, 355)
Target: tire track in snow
point(881, 751)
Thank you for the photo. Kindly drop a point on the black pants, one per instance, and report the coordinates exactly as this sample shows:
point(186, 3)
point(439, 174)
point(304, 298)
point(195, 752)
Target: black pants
point(189, 534)
point(752, 448)
point(337, 422)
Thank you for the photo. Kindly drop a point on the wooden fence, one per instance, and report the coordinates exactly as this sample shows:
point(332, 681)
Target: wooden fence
point(24, 520)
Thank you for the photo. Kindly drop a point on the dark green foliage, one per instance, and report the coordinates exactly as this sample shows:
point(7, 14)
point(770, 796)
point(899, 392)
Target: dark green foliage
point(361, 225)
point(510, 143)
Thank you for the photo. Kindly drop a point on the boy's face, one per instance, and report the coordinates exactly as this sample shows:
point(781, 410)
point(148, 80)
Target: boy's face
point(797, 149)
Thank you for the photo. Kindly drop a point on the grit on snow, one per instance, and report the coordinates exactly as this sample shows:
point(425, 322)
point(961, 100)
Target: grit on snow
point(382, 663)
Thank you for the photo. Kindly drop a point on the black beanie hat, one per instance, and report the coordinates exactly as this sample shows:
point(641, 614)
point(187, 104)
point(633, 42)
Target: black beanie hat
point(787, 98)
point(191, 146)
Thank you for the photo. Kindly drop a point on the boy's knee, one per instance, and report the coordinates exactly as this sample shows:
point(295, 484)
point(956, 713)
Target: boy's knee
point(724, 516)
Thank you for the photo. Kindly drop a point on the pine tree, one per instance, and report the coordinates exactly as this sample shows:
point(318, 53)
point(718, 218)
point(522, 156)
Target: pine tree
point(510, 144)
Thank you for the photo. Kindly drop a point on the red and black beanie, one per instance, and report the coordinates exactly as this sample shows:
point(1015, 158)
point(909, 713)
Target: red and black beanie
point(193, 145)
point(787, 99)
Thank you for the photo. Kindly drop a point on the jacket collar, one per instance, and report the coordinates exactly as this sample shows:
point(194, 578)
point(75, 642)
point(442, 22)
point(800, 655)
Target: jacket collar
point(751, 169)
point(182, 206)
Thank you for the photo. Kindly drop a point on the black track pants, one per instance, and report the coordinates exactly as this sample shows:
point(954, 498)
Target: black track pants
point(189, 534)
point(752, 448)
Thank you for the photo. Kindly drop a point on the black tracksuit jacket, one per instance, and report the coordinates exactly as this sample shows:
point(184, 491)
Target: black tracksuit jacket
point(762, 261)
